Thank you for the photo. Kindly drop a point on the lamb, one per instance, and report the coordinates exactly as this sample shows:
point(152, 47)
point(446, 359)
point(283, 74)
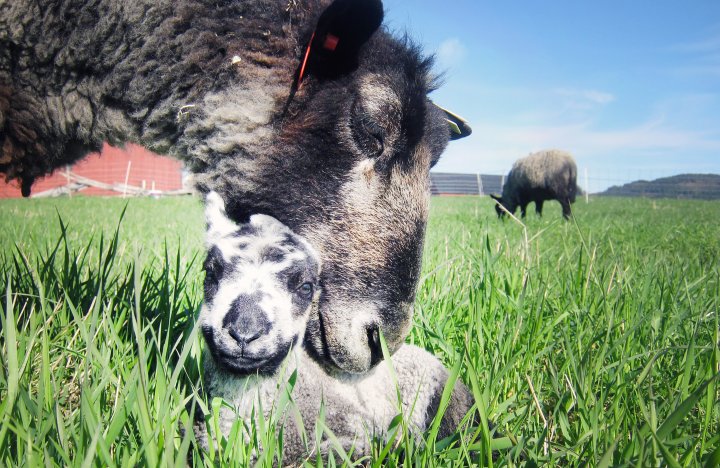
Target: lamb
point(545, 175)
point(261, 282)
point(305, 110)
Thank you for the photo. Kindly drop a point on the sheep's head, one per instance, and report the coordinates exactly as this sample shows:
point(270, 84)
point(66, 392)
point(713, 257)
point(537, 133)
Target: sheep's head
point(260, 283)
point(498, 205)
point(349, 170)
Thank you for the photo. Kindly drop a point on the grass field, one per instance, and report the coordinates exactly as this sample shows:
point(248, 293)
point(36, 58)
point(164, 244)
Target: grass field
point(594, 342)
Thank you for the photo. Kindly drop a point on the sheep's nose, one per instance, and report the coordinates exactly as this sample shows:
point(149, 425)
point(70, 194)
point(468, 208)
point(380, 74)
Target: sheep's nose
point(373, 334)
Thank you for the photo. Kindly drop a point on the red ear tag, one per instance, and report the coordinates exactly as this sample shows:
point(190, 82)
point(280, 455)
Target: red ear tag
point(301, 75)
point(331, 42)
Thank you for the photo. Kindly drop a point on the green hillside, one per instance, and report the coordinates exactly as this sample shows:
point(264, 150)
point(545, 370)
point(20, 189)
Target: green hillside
point(690, 186)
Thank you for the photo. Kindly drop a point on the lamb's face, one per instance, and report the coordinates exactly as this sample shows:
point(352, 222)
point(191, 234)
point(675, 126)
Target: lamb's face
point(260, 283)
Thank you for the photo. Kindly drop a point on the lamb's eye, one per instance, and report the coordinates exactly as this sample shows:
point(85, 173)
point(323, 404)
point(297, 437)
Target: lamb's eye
point(305, 290)
point(212, 279)
point(214, 267)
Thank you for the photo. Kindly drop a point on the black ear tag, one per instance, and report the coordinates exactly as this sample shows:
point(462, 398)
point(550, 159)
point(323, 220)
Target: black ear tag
point(342, 29)
point(334, 46)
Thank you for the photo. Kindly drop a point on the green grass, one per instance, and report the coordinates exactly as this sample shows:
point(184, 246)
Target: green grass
point(594, 342)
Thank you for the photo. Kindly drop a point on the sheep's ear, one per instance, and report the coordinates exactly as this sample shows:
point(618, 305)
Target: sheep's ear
point(218, 223)
point(497, 198)
point(340, 33)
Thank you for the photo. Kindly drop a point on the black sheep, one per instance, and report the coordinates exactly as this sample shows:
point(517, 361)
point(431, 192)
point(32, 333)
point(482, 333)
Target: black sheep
point(545, 175)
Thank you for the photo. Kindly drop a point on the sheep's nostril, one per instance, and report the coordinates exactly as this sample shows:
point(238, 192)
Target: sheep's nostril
point(376, 354)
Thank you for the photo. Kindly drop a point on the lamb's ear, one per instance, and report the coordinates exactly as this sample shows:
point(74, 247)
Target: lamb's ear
point(497, 198)
point(269, 224)
point(218, 224)
point(340, 33)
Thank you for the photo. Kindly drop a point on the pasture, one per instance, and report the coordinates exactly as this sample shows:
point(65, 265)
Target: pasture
point(595, 341)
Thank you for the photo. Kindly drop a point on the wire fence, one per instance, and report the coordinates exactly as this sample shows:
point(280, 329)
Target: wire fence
point(702, 186)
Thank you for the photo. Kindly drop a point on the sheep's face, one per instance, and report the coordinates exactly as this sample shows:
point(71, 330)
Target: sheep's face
point(260, 283)
point(351, 175)
point(498, 209)
point(347, 167)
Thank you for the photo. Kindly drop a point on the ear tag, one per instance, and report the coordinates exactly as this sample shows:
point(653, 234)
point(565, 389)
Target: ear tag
point(331, 42)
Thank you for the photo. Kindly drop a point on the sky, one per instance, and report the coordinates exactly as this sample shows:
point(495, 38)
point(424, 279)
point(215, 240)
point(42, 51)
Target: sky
point(630, 88)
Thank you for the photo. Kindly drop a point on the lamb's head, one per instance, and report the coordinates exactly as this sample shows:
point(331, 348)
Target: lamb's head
point(261, 280)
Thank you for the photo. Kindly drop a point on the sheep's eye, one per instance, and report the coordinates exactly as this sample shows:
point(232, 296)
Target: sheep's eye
point(368, 133)
point(305, 290)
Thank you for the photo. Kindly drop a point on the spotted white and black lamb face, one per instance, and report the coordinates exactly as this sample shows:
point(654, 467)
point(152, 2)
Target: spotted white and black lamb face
point(261, 281)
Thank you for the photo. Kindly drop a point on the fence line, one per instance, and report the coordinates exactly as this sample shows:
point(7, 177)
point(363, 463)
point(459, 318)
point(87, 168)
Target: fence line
point(693, 185)
point(77, 183)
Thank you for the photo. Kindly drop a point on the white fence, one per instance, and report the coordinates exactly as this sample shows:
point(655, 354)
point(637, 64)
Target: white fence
point(447, 183)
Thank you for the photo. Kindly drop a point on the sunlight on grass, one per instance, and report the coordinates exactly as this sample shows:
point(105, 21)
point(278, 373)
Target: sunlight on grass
point(588, 342)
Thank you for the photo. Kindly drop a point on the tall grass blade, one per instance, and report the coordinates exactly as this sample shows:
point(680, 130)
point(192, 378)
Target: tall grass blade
point(683, 409)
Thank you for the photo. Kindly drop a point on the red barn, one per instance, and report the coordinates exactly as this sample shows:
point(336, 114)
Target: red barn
point(130, 171)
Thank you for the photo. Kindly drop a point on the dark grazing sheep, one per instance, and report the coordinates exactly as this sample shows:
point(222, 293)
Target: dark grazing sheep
point(304, 110)
point(545, 175)
point(261, 282)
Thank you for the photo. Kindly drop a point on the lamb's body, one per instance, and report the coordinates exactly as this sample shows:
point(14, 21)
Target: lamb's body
point(541, 176)
point(356, 408)
point(261, 284)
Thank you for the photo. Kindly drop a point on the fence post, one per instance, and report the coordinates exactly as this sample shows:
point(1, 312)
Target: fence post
point(67, 177)
point(480, 186)
point(127, 177)
point(587, 188)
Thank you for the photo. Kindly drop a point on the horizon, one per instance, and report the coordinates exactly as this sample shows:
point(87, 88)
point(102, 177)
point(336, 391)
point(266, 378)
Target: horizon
point(631, 90)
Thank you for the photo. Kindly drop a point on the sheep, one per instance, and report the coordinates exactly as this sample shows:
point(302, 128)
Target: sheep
point(545, 175)
point(306, 110)
point(261, 282)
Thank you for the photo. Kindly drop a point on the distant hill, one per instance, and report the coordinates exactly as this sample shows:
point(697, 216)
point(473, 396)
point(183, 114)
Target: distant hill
point(693, 186)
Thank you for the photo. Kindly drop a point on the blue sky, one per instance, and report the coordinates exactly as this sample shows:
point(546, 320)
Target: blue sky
point(631, 88)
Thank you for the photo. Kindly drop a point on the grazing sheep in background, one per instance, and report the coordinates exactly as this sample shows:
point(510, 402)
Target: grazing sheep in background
point(261, 282)
point(305, 110)
point(545, 175)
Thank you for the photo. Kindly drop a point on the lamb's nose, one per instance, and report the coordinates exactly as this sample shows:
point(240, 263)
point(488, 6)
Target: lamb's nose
point(243, 336)
point(245, 321)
